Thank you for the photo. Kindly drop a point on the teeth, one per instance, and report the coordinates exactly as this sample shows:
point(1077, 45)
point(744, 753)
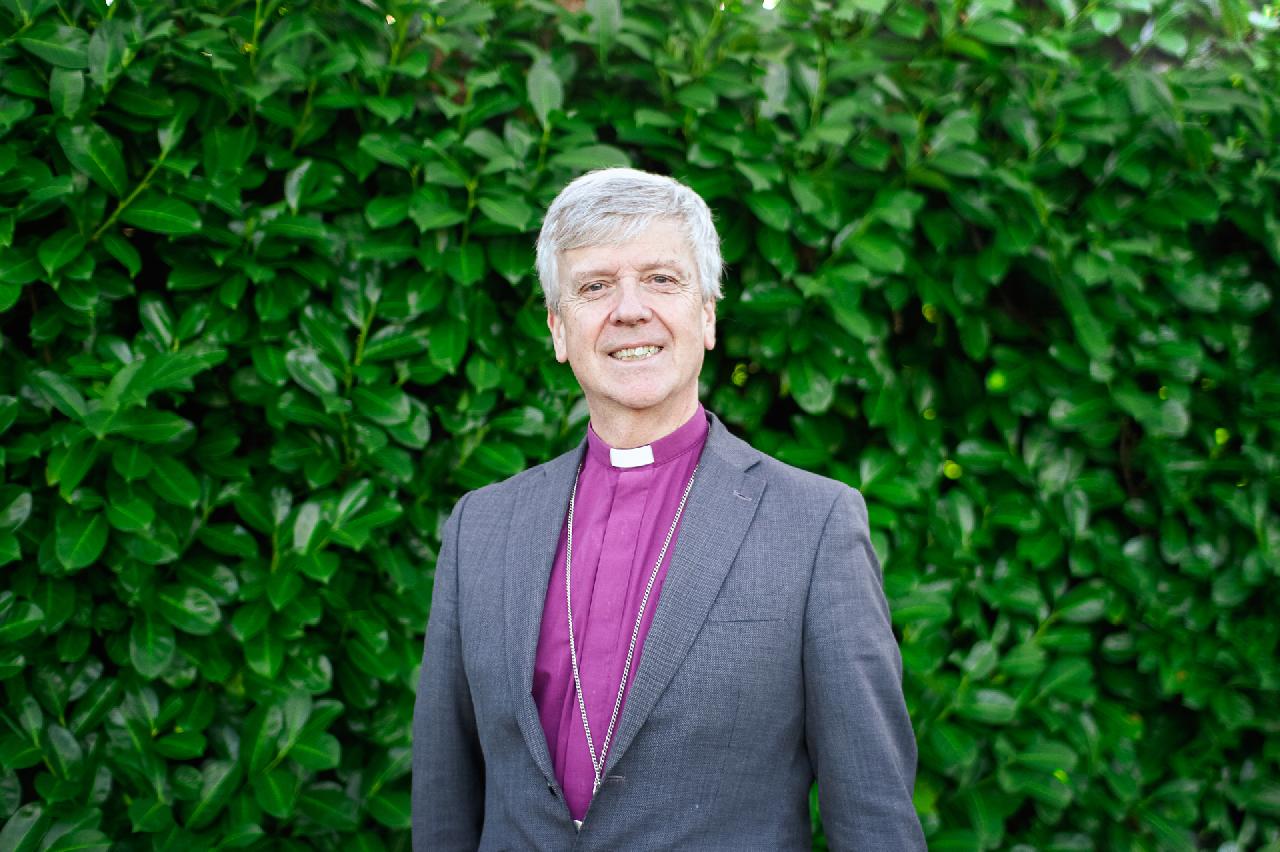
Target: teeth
point(635, 353)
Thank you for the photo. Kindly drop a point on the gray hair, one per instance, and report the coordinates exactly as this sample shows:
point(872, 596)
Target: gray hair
point(612, 206)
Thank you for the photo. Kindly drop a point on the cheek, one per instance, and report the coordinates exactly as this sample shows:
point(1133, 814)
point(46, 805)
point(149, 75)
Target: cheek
point(578, 335)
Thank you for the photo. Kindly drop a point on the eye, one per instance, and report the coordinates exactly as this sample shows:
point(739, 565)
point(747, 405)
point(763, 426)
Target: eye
point(592, 287)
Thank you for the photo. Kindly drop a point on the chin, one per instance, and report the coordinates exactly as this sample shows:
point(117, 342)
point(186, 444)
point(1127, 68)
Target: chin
point(640, 403)
point(641, 400)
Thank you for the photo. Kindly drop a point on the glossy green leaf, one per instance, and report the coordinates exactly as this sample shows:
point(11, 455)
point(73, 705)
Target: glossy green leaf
point(80, 538)
point(131, 461)
point(545, 91)
point(8, 411)
point(988, 706)
point(261, 736)
point(63, 751)
point(430, 209)
point(219, 779)
point(306, 526)
point(507, 210)
point(771, 208)
point(150, 814)
point(879, 252)
point(589, 157)
point(385, 406)
point(329, 806)
point(996, 30)
point(813, 390)
point(189, 609)
point(960, 162)
point(327, 333)
point(19, 621)
point(162, 215)
point(81, 840)
point(106, 52)
point(183, 745)
point(391, 809)
point(60, 249)
point(955, 746)
point(10, 549)
point(265, 653)
point(61, 393)
point(465, 264)
point(93, 707)
point(276, 792)
point(98, 154)
point(1083, 604)
point(316, 751)
point(23, 830)
point(308, 370)
point(152, 646)
point(174, 481)
point(151, 427)
point(60, 46)
point(384, 212)
point(66, 91)
point(228, 539)
point(1107, 21)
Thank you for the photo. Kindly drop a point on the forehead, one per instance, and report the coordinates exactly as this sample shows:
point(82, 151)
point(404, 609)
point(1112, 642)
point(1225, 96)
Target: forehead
point(662, 243)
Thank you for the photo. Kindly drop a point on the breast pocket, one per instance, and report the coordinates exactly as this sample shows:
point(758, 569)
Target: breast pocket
point(752, 642)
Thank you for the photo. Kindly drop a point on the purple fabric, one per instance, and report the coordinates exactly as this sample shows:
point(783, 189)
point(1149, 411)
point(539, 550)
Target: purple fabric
point(621, 518)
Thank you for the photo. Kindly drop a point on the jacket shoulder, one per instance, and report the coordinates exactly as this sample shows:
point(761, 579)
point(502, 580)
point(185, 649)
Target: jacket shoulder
point(793, 481)
point(799, 479)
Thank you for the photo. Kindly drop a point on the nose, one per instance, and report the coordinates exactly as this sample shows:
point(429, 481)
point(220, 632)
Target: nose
point(631, 307)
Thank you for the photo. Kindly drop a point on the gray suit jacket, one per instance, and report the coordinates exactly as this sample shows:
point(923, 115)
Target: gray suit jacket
point(770, 662)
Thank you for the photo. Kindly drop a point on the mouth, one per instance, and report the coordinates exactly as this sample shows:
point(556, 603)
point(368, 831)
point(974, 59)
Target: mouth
point(635, 353)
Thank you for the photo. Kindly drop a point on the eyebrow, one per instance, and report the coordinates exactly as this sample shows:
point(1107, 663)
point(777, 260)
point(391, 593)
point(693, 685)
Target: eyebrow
point(599, 272)
point(608, 272)
point(663, 263)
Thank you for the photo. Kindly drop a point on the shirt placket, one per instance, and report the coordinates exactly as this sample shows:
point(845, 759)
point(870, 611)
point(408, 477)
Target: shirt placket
point(610, 622)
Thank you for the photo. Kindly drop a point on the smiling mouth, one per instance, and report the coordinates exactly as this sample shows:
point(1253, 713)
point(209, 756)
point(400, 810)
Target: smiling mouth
point(635, 353)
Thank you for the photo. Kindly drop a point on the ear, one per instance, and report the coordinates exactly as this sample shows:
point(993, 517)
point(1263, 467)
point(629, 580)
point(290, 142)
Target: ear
point(556, 326)
point(709, 324)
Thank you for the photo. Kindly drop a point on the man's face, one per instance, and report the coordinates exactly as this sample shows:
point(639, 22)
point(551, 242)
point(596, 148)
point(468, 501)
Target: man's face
point(632, 323)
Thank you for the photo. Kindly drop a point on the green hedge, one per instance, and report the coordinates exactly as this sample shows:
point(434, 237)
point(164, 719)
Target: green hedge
point(267, 310)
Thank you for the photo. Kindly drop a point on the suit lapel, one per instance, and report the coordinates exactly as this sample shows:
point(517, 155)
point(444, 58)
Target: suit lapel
point(720, 509)
point(532, 537)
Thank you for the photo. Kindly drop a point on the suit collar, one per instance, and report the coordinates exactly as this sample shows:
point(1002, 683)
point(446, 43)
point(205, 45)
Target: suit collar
point(721, 506)
point(731, 450)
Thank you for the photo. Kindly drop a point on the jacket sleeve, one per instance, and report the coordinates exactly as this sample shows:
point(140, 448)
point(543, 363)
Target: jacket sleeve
point(448, 767)
point(857, 731)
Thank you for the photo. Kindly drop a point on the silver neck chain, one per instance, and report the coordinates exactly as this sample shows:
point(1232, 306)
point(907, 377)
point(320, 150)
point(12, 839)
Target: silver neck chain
point(597, 765)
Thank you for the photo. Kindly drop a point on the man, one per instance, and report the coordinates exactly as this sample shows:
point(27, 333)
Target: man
point(661, 638)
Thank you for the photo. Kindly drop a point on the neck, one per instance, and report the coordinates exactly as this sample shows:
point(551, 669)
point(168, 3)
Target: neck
point(626, 429)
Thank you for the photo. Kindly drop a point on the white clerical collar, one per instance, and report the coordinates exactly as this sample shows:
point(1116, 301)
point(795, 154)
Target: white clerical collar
point(635, 457)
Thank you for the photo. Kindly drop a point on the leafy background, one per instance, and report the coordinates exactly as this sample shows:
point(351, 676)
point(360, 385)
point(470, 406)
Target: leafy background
point(267, 310)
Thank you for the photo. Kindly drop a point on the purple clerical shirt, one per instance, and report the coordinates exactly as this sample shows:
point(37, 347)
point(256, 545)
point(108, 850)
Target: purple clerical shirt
point(620, 519)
